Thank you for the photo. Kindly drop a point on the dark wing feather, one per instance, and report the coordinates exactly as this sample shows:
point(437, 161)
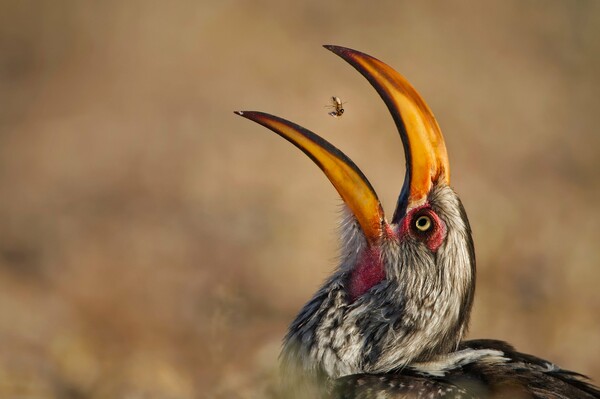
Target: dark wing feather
point(517, 376)
point(541, 378)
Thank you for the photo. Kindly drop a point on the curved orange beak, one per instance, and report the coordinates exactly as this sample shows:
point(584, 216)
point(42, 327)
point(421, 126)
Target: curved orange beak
point(346, 177)
point(426, 157)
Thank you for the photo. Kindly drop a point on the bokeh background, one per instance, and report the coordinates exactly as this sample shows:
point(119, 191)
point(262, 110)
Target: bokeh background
point(154, 245)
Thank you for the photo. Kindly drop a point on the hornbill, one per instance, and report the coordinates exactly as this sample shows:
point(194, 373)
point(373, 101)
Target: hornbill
point(390, 321)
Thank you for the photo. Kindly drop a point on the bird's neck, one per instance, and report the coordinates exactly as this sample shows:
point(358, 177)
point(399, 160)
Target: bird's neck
point(335, 335)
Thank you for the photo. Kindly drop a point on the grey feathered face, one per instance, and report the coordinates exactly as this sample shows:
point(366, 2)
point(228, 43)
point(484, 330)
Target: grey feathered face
point(403, 290)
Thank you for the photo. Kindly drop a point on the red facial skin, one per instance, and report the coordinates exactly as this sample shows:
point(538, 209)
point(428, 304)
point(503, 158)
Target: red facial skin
point(367, 273)
point(369, 270)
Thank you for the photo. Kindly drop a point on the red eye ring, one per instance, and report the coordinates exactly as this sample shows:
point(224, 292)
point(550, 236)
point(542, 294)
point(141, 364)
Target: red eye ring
point(425, 225)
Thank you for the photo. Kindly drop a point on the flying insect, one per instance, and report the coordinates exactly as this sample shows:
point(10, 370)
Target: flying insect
point(337, 106)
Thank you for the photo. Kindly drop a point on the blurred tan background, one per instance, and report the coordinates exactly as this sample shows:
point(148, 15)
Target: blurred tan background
point(154, 245)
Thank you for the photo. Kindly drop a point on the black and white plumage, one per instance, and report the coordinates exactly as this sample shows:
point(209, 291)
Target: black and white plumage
point(390, 321)
point(489, 369)
point(340, 336)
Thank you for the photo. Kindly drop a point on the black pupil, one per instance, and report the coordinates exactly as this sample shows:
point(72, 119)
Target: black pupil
point(422, 222)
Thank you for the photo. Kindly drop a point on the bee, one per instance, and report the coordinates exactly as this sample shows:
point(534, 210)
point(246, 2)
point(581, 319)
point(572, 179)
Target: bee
point(336, 105)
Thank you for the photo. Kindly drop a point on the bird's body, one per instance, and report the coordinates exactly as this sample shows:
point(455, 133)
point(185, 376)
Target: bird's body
point(417, 326)
point(390, 321)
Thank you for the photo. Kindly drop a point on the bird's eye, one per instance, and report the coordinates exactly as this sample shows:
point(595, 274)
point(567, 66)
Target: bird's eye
point(423, 223)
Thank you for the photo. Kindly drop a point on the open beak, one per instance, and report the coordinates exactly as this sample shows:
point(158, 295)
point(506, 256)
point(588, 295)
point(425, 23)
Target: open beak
point(426, 157)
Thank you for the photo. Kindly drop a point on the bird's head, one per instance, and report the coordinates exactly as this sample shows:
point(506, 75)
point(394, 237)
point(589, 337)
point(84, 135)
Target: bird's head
point(404, 288)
